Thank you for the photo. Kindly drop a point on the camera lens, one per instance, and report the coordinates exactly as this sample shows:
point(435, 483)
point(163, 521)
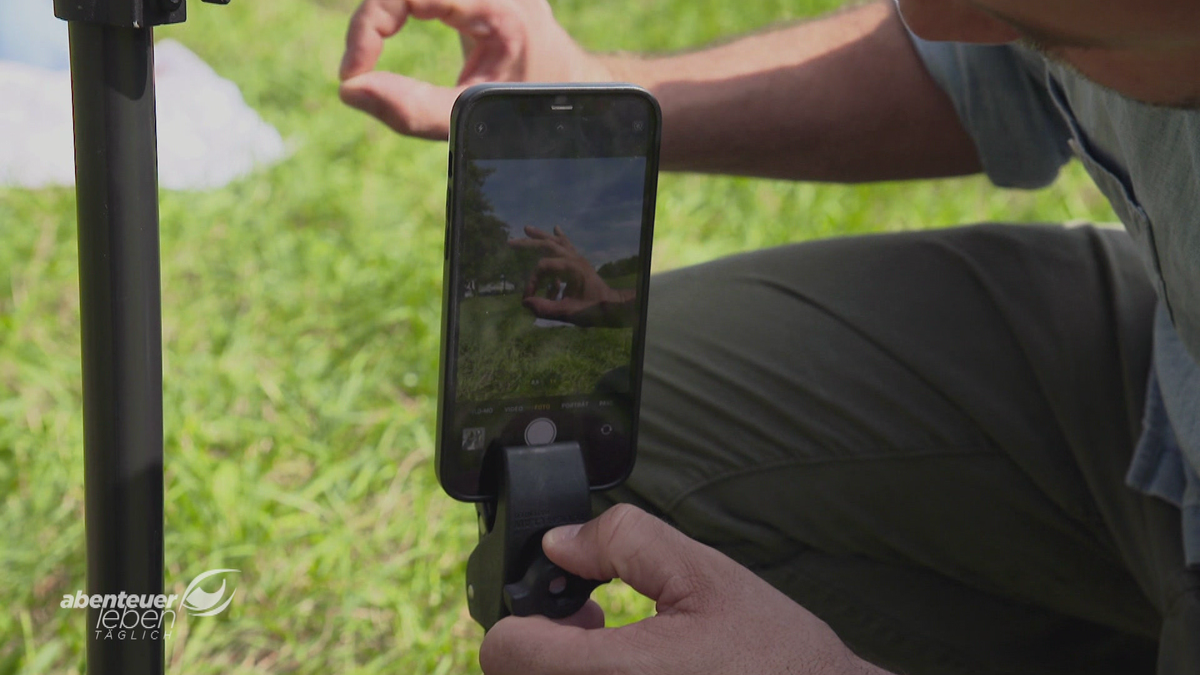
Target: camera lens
point(480, 128)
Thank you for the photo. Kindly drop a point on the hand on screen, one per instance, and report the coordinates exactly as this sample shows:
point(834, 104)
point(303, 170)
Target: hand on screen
point(503, 41)
point(570, 289)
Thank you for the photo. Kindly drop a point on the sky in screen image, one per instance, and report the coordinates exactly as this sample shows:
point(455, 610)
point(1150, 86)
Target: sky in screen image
point(596, 201)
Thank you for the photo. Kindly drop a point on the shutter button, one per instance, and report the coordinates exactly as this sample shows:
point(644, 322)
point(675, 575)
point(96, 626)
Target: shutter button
point(541, 431)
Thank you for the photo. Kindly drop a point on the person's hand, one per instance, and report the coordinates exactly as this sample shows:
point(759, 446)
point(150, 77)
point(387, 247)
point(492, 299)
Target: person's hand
point(503, 41)
point(713, 615)
point(574, 292)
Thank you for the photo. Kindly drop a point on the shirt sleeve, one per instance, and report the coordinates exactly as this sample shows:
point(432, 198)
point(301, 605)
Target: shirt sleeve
point(1000, 94)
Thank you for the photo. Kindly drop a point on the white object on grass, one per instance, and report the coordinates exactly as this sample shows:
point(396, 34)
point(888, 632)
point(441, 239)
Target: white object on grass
point(207, 135)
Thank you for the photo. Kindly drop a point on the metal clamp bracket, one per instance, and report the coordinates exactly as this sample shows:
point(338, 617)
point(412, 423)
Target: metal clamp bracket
point(125, 13)
point(538, 488)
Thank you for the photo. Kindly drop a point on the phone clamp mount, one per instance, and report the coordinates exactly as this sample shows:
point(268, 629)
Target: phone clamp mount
point(537, 488)
point(136, 14)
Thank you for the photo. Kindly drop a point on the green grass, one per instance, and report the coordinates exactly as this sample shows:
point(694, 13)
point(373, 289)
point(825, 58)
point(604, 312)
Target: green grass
point(503, 355)
point(301, 319)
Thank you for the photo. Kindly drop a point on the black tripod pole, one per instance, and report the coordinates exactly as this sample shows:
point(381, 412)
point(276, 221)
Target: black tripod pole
point(116, 175)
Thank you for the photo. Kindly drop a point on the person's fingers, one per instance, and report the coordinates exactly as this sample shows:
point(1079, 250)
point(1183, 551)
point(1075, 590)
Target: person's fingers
point(548, 245)
point(627, 543)
point(542, 240)
point(371, 24)
point(590, 616)
point(562, 267)
point(535, 282)
point(545, 308)
point(533, 645)
point(409, 106)
point(540, 277)
point(563, 239)
point(376, 20)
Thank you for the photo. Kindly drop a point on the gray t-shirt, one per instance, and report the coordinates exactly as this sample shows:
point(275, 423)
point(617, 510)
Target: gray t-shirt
point(1028, 116)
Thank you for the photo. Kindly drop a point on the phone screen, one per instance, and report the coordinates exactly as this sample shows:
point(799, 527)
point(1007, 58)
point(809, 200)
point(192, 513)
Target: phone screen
point(551, 218)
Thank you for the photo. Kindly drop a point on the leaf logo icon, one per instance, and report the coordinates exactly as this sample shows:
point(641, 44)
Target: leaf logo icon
point(200, 602)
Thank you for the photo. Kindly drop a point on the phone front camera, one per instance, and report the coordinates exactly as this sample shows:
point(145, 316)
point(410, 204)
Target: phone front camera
point(480, 128)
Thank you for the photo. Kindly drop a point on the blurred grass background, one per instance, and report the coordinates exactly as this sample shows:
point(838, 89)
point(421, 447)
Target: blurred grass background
point(301, 318)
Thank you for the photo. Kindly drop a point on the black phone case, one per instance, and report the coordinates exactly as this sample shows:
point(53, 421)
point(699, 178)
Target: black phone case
point(448, 347)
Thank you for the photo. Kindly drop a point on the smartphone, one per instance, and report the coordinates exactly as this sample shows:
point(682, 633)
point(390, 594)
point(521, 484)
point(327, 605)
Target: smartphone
point(549, 222)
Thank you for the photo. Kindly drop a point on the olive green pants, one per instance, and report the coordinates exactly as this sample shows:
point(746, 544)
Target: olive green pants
point(922, 438)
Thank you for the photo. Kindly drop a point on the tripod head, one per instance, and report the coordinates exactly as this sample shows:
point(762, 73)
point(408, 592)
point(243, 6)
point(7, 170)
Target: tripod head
point(125, 13)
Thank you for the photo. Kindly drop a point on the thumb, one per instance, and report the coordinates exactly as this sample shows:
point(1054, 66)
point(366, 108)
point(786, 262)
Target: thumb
point(525, 645)
point(410, 106)
point(627, 543)
point(544, 308)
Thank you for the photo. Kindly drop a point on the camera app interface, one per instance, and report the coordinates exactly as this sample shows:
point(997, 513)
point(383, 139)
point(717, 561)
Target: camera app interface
point(549, 269)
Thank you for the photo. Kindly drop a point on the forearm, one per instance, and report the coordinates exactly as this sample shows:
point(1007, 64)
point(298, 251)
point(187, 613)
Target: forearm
point(844, 98)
